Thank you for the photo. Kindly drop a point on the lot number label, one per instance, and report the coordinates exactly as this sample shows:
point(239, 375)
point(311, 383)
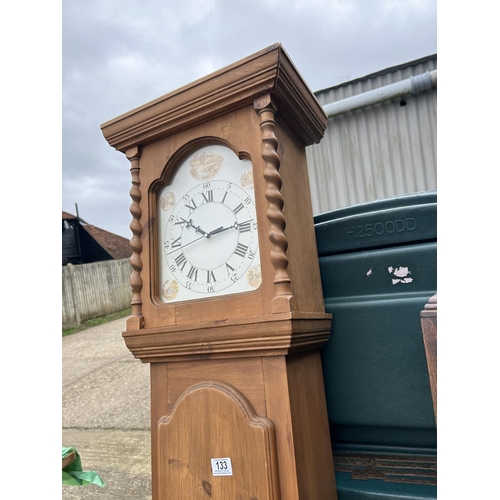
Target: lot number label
point(222, 467)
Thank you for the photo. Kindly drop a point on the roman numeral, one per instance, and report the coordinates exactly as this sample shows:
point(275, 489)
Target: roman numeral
point(229, 268)
point(241, 250)
point(176, 243)
point(193, 273)
point(191, 205)
point(238, 208)
point(208, 196)
point(180, 260)
point(210, 277)
point(245, 227)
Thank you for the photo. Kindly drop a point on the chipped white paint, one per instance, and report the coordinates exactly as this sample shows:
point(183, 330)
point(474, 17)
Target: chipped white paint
point(405, 280)
point(401, 274)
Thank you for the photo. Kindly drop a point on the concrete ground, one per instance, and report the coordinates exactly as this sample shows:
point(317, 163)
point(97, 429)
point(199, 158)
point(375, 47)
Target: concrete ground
point(105, 413)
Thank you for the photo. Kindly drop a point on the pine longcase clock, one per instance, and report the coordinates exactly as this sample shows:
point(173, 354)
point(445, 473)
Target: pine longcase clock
point(227, 302)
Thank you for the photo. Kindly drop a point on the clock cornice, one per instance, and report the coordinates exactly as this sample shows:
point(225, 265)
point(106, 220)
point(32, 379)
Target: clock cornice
point(269, 71)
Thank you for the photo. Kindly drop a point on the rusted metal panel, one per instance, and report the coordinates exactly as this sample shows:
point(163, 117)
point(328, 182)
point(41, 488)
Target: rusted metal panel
point(381, 151)
point(392, 468)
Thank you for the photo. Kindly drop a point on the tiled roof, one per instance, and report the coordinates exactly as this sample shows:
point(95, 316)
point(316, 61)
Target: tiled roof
point(117, 246)
point(68, 216)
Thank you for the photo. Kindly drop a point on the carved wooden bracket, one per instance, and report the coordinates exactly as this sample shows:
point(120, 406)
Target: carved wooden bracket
point(136, 321)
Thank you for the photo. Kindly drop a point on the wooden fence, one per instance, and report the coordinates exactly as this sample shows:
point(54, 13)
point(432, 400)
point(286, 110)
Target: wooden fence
point(93, 290)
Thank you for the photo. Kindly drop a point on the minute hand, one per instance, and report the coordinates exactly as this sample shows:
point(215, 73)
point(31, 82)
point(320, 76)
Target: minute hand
point(184, 246)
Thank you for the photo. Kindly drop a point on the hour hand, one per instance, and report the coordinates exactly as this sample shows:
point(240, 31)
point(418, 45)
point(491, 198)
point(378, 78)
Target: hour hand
point(189, 223)
point(199, 230)
point(219, 230)
point(236, 225)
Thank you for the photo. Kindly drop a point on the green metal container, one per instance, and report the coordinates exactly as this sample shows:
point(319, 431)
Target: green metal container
point(378, 266)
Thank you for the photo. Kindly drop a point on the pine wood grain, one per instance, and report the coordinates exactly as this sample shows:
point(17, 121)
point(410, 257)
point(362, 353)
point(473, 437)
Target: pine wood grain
point(311, 430)
point(428, 319)
point(227, 428)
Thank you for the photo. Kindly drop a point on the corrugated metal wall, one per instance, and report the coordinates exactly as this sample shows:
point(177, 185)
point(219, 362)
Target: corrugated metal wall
point(377, 152)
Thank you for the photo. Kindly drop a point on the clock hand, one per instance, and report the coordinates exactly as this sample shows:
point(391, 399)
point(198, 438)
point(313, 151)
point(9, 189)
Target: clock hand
point(189, 223)
point(221, 229)
point(183, 246)
point(199, 230)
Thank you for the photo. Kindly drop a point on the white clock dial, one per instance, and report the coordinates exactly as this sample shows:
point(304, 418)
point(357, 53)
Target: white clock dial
point(208, 230)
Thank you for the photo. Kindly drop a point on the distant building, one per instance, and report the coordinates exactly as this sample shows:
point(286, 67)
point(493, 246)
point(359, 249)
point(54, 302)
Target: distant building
point(83, 243)
point(379, 143)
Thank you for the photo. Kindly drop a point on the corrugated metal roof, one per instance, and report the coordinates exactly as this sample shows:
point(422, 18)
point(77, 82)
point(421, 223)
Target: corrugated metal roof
point(423, 61)
point(381, 151)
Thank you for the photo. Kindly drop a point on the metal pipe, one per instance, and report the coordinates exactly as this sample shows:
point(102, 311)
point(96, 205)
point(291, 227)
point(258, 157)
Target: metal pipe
point(412, 85)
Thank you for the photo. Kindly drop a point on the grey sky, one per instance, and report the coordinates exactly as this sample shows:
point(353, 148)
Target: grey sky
point(118, 55)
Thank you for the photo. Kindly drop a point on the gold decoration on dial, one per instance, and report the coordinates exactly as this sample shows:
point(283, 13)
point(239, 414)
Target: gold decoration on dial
point(167, 201)
point(246, 180)
point(254, 276)
point(205, 166)
point(170, 289)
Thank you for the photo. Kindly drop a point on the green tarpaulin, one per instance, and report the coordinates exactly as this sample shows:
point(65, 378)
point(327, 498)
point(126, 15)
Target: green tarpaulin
point(74, 475)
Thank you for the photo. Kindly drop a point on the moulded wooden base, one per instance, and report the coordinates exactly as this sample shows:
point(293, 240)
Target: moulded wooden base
point(267, 335)
point(268, 412)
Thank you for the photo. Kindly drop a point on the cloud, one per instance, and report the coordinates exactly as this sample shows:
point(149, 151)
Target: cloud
point(119, 55)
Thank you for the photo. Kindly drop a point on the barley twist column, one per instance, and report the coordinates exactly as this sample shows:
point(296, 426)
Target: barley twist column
point(136, 321)
point(282, 301)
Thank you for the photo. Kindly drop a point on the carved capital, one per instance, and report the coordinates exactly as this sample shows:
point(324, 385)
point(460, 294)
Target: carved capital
point(265, 101)
point(133, 153)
